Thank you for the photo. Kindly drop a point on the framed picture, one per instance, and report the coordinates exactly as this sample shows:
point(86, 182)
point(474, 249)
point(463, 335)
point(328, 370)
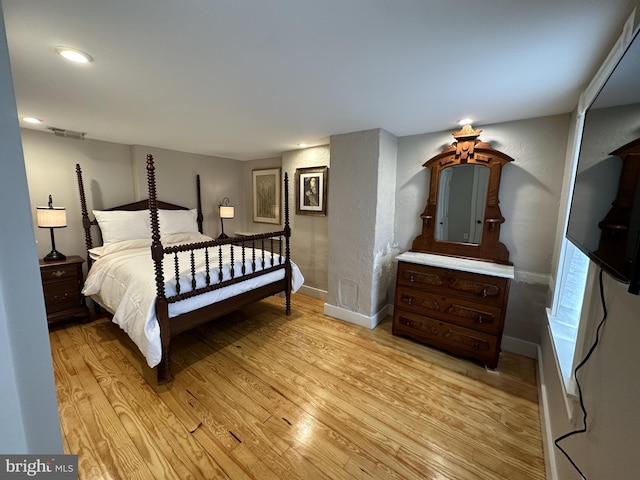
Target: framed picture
point(311, 188)
point(266, 195)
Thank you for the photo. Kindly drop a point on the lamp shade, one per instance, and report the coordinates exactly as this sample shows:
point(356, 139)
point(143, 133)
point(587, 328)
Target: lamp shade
point(226, 212)
point(51, 217)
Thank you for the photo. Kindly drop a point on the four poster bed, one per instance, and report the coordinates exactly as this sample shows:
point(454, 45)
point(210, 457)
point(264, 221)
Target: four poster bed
point(159, 275)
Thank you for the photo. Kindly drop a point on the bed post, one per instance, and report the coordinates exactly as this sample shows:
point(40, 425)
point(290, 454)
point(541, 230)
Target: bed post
point(157, 254)
point(86, 223)
point(200, 216)
point(287, 255)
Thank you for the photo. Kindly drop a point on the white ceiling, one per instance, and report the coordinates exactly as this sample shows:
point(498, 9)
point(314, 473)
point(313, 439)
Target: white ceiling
point(250, 79)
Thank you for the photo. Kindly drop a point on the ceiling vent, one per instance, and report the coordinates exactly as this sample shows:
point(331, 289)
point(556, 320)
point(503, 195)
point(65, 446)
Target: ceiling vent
point(60, 132)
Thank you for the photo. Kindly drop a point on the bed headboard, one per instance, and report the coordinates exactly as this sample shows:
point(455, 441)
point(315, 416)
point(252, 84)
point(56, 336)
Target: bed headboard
point(87, 222)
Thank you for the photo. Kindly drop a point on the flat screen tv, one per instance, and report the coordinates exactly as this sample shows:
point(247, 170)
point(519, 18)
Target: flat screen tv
point(604, 220)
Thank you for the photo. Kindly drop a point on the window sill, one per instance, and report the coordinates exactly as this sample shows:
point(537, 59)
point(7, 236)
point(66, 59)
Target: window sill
point(563, 336)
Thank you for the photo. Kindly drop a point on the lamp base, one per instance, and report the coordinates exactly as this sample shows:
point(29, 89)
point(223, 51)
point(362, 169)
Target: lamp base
point(54, 256)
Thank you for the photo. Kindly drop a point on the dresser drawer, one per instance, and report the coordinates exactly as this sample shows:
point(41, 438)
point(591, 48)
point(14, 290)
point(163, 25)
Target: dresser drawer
point(478, 316)
point(453, 338)
point(472, 286)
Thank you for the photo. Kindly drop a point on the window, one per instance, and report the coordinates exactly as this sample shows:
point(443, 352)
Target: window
point(564, 322)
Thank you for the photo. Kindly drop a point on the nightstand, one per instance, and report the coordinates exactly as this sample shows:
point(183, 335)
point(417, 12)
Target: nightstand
point(62, 283)
point(270, 244)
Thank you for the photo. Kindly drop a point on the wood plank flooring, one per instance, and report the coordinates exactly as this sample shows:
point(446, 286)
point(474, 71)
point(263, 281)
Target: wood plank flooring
point(258, 395)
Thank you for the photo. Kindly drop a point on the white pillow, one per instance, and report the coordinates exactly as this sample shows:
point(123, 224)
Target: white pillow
point(178, 221)
point(183, 238)
point(119, 225)
point(109, 248)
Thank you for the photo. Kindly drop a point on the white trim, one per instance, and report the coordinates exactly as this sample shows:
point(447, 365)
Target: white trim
point(523, 276)
point(548, 442)
point(520, 347)
point(568, 397)
point(355, 317)
point(610, 62)
point(313, 292)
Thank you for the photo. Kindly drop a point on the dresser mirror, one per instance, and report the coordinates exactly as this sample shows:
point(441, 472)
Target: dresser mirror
point(462, 197)
point(462, 217)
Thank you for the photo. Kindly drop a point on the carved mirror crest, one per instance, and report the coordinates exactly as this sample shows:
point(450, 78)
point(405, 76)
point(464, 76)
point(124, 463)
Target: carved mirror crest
point(462, 217)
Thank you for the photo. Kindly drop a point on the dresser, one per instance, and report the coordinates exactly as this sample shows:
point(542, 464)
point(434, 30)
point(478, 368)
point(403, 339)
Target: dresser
point(62, 283)
point(455, 304)
point(452, 287)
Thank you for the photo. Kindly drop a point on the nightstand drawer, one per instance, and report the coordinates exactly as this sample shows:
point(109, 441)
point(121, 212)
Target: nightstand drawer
point(60, 296)
point(59, 274)
point(62, 285)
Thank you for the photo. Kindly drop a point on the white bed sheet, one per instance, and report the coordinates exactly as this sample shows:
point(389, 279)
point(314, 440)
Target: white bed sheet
point(123, 278)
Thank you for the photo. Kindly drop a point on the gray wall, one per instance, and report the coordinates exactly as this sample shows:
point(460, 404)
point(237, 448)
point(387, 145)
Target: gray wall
point(50, 163)
point(310, 233)
point(28, 414)
point(309, 238)
point(611, 387)
point(176, 183)
point(115, 174)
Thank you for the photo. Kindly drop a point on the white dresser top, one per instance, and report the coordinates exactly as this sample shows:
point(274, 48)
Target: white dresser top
point(455, 263)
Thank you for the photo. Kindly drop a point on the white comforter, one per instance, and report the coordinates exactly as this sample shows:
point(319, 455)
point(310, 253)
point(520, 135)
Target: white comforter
point(123, 279)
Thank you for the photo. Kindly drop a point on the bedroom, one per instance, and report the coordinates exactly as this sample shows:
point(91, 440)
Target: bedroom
point(531, 190)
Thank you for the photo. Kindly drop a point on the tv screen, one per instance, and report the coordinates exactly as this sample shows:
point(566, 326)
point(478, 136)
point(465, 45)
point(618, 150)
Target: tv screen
point(604, 219)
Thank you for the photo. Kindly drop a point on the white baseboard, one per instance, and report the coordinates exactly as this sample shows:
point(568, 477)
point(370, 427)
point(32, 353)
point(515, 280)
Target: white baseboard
point(532, 277)
point(521, 347)
point(313, 292)
point(545, 427)
point(354, 317)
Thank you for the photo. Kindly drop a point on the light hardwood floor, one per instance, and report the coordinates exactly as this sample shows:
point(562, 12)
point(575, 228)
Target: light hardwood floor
point(258, 395)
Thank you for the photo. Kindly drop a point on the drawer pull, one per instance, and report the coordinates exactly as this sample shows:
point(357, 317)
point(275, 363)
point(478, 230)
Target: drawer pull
point(480, 319)
point(475, 345)
point(412, 278)
point(58, 273)
point(61, 297)
point(484, 292)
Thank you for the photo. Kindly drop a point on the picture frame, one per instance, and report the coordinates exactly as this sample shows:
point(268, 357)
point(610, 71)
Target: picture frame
point(311, 190)
point(267, 195)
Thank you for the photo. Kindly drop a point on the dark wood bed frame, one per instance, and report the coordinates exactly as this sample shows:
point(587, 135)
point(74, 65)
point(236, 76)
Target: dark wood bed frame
point(247, 247)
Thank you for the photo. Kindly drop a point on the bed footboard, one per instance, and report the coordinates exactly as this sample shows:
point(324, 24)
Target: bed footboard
point(199, 268)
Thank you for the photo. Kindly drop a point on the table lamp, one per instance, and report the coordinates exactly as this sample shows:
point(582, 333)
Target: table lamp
point(52, 217)
point(226, 211)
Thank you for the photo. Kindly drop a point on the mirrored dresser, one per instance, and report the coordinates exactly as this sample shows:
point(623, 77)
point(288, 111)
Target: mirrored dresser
point(452, 288)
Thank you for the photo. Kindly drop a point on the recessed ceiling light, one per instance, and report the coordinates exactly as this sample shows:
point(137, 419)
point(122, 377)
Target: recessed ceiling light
point(303, 145)
point(32, 120)
point(465, 121)
point(73, 54)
